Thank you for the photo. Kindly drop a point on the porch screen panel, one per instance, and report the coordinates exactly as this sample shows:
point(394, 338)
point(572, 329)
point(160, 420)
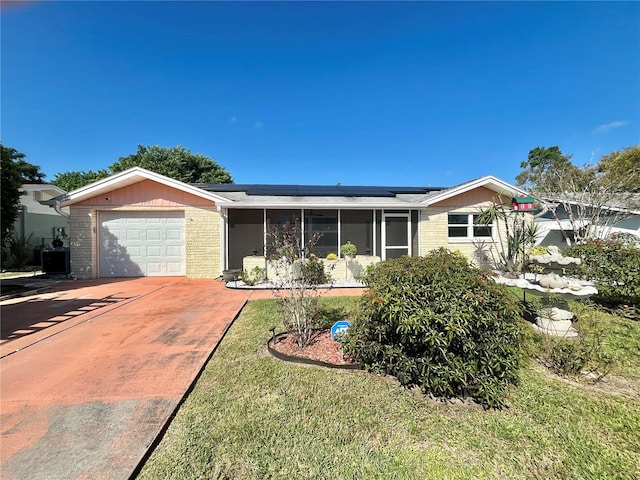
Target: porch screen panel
point(357, 228)
point(280, 218)
point(246, 233)
point(324, 225)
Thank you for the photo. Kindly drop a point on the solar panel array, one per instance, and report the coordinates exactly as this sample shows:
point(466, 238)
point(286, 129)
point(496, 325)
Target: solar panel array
point(317, 190)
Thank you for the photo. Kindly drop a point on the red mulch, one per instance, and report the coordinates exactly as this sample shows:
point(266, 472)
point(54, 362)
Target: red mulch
point(322, 348)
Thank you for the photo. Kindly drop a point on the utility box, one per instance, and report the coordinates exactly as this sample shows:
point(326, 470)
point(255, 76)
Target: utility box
point(56, 260)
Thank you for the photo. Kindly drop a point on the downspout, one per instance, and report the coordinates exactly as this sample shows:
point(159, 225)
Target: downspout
point(58, 209)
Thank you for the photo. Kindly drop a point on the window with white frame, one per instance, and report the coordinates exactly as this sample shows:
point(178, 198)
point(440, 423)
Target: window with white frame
point(466, 226)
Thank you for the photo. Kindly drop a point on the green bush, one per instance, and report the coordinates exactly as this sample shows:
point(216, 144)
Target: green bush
point(254, 276)
point(313, 273)
point(441, 324)
point(614, 266)
point(348, 250)
point(574, 356)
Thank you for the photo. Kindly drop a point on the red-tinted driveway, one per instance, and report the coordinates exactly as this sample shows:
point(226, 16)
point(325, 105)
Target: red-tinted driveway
point(89, 375)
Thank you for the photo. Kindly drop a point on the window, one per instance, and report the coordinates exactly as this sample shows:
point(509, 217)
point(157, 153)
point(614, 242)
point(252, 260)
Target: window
point(466, 226)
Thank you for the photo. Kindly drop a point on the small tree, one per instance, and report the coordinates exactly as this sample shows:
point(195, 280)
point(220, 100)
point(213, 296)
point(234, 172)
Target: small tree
point(519, 234)
point(591, 198)
point(297, 293)
point(14, 172)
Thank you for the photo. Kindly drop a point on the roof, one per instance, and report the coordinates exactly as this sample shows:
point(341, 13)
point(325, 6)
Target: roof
point(490, 182)
point(42, 187)
point(129, 177)
point(624, 202)
point(319, 196)
point(292, 196)
point(316, 190)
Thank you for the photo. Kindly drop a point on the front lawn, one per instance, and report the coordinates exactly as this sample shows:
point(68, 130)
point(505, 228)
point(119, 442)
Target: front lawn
point(251, 416)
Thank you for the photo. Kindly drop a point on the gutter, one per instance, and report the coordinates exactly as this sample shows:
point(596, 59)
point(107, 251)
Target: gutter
point(56, 206)
point(344, 206)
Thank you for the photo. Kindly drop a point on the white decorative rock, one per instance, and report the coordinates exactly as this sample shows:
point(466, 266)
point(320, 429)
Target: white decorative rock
point(555, 313)
point(558, 328)
point(553, 280)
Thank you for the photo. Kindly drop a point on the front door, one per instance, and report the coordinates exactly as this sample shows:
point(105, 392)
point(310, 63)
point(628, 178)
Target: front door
point(396, 235)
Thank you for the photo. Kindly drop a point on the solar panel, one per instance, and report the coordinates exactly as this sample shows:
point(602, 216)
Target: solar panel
point(316, 190)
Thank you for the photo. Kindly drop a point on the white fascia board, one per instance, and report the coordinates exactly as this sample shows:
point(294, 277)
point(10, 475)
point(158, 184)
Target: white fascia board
point(489, 182)
point(551, 224)
point(130, 177)
point(43, 187)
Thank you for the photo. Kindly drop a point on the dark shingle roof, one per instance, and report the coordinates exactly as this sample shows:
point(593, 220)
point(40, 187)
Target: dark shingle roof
point(317, 190)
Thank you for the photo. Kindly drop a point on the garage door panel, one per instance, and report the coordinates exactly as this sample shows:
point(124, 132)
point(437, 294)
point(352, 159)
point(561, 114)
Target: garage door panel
point(154, 269)
point(174, 251)
point(173, 268)
point(174, 234)
point(142, 244)
point(154, 234)
point(134, 234)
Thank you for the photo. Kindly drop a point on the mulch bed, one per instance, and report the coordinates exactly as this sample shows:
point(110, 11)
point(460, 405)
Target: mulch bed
point(322, 350)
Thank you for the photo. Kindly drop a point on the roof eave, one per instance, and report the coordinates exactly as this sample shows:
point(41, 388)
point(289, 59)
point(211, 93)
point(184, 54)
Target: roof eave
point(489, 181)
point(126, 178)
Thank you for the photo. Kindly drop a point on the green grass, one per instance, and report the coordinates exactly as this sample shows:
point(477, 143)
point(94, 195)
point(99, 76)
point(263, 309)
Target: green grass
point(251, 416)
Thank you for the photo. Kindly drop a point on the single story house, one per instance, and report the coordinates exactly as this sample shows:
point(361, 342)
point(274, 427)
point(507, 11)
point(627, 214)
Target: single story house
point(138, 223)
point(36, 220)
point(558, 229)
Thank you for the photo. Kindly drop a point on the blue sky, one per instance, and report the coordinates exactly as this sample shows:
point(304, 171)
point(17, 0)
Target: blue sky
point(416, 93)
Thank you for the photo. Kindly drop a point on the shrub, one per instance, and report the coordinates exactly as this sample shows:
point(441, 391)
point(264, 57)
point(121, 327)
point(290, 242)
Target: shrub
point(254, 276)
point(614, 265)
point(18, 252)
point(574, 356)
point(312, 271)
point(441, 324)
point(332, 256)
point(348, 250)
point(299, 301)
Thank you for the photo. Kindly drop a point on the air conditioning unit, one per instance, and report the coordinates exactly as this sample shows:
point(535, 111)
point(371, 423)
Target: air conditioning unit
point(56, 261)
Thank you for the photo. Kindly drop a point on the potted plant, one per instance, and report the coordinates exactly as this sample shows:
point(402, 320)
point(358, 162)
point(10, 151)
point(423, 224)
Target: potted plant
point(348, 251)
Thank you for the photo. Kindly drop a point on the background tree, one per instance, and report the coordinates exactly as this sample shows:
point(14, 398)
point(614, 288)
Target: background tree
point(68, 181)
point(14, 172)
point(621, 169)
point(586, 197)
point(10, 191)
point(177, 162)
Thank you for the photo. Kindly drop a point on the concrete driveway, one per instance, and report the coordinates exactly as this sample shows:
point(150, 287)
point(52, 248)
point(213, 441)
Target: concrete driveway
point(91, 372)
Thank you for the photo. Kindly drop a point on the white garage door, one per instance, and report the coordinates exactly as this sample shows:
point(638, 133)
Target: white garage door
point(135, 244)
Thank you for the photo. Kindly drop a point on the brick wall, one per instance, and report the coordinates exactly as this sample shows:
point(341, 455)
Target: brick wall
point(203, 242)
point(82, 227)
